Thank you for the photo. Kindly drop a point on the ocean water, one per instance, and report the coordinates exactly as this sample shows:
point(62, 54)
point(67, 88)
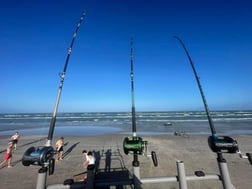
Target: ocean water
point(148, 123)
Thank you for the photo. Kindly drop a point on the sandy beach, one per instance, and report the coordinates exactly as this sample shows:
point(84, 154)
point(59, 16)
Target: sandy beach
point(192, 150)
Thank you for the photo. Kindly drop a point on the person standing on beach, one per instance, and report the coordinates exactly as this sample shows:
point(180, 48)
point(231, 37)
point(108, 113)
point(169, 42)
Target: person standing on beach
point(84, 152)
point(14, 139)
point(85, 163)
point(8, 155)
point(59, 148)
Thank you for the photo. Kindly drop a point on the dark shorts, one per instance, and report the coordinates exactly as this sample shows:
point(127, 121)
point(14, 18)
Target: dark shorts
point(91, 167)
point(15, 141)
point(60, 149)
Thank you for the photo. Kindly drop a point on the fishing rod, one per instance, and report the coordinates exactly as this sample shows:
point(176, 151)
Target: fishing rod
point(132, 89)
point(200, 88)
point(44, 155)
point(133, 109)
point(62, 77)
point(218, 144)
point(135, 144)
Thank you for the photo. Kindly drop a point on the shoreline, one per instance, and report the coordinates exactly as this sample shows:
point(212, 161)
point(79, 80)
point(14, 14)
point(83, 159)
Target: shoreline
point(193, 150)
point(103, 130)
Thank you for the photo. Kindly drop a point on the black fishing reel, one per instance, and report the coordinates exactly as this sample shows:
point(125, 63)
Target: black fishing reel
point(223, 144)
point(41, 156)
point(37, 156)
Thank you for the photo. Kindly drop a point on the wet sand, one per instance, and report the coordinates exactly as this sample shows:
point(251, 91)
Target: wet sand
point(192, 150)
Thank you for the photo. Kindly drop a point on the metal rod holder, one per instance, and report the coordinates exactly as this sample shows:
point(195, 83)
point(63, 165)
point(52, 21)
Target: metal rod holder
point(181, 175)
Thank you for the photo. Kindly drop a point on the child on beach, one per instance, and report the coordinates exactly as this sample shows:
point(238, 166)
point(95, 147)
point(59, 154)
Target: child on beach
point(14, 139)
point(8, 155)
point(59, 148)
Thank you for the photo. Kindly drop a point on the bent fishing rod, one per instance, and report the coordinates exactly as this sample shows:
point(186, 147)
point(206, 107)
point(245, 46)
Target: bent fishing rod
point(44, 155)
point(62, 77)
point(218, 144)
point(200, 87)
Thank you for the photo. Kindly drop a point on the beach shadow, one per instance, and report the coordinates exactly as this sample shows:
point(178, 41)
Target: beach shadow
point(111, 172)
point(69, 150)
point(26, 144)
point(97, 156)
point(111, 175)
point(108, 155)
point(2, 151)
point(66, 143)
point(32, 142)
point(119, 178)
point(14, 163)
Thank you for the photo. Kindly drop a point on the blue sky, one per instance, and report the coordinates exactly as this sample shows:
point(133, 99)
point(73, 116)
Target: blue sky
point(35, 36)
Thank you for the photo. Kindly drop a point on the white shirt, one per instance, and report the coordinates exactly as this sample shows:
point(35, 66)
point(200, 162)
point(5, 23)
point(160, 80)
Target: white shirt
point(91, 160)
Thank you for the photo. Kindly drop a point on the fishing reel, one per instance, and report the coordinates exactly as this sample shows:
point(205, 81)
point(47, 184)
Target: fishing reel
point(225, 144)
point(41, 156)
point(135, 144)
point(222, 144)
point(138, 146)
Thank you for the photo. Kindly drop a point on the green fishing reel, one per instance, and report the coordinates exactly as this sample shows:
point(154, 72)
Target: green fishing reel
point(135, 144)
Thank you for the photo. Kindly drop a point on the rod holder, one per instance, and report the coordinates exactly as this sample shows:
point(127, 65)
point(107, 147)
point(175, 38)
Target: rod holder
point(181, 174)
point(135, 144)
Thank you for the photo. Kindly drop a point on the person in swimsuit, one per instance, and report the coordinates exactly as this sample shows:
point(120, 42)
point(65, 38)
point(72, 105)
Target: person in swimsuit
point(59, 148)
point(8, 155)
point(14, 139)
